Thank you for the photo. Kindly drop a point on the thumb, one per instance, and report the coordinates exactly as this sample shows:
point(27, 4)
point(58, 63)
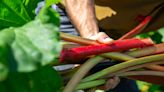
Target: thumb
point(103, 38)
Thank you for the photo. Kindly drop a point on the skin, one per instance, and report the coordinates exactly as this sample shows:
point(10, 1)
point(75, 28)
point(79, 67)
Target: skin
point(82, 15)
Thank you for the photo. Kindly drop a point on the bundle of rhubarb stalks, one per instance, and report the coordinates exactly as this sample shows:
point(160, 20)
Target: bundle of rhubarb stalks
point(139, 59)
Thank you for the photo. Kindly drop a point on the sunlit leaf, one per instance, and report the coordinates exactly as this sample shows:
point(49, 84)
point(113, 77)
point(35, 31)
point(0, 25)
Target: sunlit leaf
point(17, 12)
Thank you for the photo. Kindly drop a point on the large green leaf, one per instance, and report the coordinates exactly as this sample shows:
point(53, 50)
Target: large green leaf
point(35, 44)
point(17, 12)
point(45, 79)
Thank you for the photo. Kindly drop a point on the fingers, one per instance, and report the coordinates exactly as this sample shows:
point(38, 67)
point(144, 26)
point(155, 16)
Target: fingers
point(103, 38)
point(112, 83)
point(109, 84)
point(116, 81)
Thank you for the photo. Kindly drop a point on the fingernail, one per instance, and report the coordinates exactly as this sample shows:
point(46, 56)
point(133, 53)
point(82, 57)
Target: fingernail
point(107, 39)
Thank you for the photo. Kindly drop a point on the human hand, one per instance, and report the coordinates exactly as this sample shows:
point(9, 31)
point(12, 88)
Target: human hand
point(102, 37)
point(112, 83)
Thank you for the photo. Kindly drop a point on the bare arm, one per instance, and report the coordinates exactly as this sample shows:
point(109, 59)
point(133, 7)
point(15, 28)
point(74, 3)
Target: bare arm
point(82, 15)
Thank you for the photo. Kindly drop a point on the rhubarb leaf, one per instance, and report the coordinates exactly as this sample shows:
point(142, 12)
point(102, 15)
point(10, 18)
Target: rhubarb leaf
point(36, 43)
point(17, 12)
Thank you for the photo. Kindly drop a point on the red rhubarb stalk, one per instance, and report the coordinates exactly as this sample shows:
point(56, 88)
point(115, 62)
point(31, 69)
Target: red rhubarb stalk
point(137, 29)
point(79, 53)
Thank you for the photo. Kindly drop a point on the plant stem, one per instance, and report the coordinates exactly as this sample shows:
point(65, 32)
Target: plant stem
point(77, 39)
point(132, 68)
point(156, 67)
point(95, 83)
point(132, 73)
point(115, 55)
point(71, 85)
point(146, 51)
point(159, 48)
point(90, 84)
point(155, 49)
point(123, 65)
point(141, 52)
point(152, 50)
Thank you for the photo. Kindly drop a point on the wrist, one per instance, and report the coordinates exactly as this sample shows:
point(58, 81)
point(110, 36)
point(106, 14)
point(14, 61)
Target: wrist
point(88, 33)
point(88, 27)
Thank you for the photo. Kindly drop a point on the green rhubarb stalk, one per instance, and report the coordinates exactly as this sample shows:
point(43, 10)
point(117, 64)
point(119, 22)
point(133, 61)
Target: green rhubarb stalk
point(117, 56)
point(158, 48)
point(71, 85)
point(132, 68)
point(124, 57)
point(146, 72)
point(90, 84)
point(155, 49)
point(123, 65)
point(77, 39)
point(95, 83)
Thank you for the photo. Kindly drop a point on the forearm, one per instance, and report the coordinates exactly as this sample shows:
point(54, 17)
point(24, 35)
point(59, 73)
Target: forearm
point(82, 15)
